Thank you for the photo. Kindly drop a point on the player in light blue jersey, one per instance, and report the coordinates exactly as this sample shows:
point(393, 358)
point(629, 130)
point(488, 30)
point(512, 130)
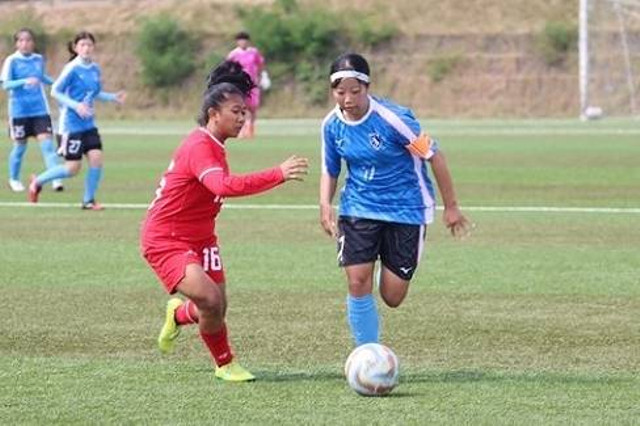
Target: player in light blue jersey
point(388, 198)
point(76, 89)
point(24, 76)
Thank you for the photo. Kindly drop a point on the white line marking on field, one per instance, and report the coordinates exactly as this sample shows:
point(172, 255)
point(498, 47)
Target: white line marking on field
point(498, 209)
point(301, 131)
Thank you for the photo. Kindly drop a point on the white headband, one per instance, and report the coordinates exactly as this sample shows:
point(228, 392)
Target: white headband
point(349, 74)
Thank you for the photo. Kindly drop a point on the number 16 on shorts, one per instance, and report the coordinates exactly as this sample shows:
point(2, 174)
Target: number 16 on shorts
point(211, 260)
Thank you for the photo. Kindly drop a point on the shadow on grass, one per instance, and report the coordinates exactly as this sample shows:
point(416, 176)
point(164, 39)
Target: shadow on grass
point(458, 376)
point(318, 376)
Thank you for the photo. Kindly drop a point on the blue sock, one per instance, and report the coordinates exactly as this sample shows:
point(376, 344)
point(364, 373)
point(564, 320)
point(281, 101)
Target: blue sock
point(91, 182)
point(48, 153)
point(362, 313)
point(56, 172)
point(15, 159)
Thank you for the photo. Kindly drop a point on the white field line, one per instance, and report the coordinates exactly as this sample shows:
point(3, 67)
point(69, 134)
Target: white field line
point(302, 131)
point(498, 209)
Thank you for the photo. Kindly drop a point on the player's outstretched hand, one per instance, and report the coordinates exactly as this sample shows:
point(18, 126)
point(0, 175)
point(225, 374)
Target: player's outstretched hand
point(294, 168)
point(121, 96)
point(457, 223)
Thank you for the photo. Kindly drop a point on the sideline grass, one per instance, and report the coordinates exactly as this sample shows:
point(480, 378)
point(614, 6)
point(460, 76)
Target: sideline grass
point(532, 320)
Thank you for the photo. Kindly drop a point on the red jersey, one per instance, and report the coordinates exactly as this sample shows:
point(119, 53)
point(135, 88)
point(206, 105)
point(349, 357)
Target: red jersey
point(192, 190)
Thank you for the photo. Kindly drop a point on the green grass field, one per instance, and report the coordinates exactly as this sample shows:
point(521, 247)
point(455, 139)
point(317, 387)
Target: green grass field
point(535, 319)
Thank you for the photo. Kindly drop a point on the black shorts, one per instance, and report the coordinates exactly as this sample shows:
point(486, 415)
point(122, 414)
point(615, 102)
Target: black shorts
point(398, 245)
point(72, 146)
point(25, 127)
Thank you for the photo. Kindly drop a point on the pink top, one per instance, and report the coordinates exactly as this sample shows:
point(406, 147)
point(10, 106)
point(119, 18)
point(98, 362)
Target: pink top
point(251, 60)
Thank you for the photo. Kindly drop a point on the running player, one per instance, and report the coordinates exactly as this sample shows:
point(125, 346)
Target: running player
point(76, 88)
point(24, 76)
point(388, 199)
point(252, 62)
point(178, 237)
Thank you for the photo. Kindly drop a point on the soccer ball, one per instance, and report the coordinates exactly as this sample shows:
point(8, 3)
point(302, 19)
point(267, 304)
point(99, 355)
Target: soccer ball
point(372, 370)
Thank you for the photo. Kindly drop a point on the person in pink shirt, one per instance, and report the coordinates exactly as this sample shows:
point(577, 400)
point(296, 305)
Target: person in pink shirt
point(252, 62)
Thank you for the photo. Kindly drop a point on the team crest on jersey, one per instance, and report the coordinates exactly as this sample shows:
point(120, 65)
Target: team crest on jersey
point(376, 141)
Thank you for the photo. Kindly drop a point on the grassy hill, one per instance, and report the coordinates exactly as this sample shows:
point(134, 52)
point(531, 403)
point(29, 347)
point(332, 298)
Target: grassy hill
point(482, 52)
point(217, 17)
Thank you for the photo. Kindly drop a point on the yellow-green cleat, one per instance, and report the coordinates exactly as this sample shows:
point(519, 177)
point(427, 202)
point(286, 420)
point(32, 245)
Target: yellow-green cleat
point(234, 372)
point(170, 330)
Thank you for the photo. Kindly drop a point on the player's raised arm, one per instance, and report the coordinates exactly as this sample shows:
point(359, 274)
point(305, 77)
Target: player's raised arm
point(227, 185)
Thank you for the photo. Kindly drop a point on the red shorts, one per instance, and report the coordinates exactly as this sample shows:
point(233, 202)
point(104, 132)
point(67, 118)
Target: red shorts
point(169, 260)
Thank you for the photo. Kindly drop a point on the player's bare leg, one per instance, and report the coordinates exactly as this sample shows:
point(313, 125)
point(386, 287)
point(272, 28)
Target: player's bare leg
point(210, 301)
point(393, 289)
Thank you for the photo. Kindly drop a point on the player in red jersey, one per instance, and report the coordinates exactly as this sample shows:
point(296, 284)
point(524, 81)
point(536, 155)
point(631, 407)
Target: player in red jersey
point(178, 235)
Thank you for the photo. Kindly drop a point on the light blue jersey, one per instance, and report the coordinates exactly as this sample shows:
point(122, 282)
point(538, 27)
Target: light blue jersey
point(25, 100)
point(79, 82)
point(384, 181)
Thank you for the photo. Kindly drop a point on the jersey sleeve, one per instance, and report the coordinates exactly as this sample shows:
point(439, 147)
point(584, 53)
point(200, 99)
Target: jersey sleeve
point(107, 97)
point(7, 75)
point(202, 160)
point(423, 146)
point(6, 70)
point(211, 172)
point(47, 79)
point(99, 82)
point(331, 160)
point(228, 185)
point(405, 125)
point(411, 136)
point(60, 86)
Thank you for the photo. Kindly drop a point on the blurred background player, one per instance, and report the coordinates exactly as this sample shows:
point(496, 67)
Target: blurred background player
point(79, 84)
point(24, 76)
point(252, 62)
point(178, 236)
point(388, 199)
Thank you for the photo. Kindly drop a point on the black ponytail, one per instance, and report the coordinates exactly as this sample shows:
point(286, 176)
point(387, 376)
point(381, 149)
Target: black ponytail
point(231, 72)
point(228, 78)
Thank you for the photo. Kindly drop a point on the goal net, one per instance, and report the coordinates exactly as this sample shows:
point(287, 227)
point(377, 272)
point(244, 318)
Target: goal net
point(609, 58)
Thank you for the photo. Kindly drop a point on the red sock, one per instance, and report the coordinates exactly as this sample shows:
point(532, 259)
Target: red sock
point(218, 344)
point(187, 313)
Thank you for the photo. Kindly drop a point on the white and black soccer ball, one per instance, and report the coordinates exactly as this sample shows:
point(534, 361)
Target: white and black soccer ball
point(372, 369)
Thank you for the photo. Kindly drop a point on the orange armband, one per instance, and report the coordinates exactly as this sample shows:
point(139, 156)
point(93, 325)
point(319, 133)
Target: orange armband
point(421, 146)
